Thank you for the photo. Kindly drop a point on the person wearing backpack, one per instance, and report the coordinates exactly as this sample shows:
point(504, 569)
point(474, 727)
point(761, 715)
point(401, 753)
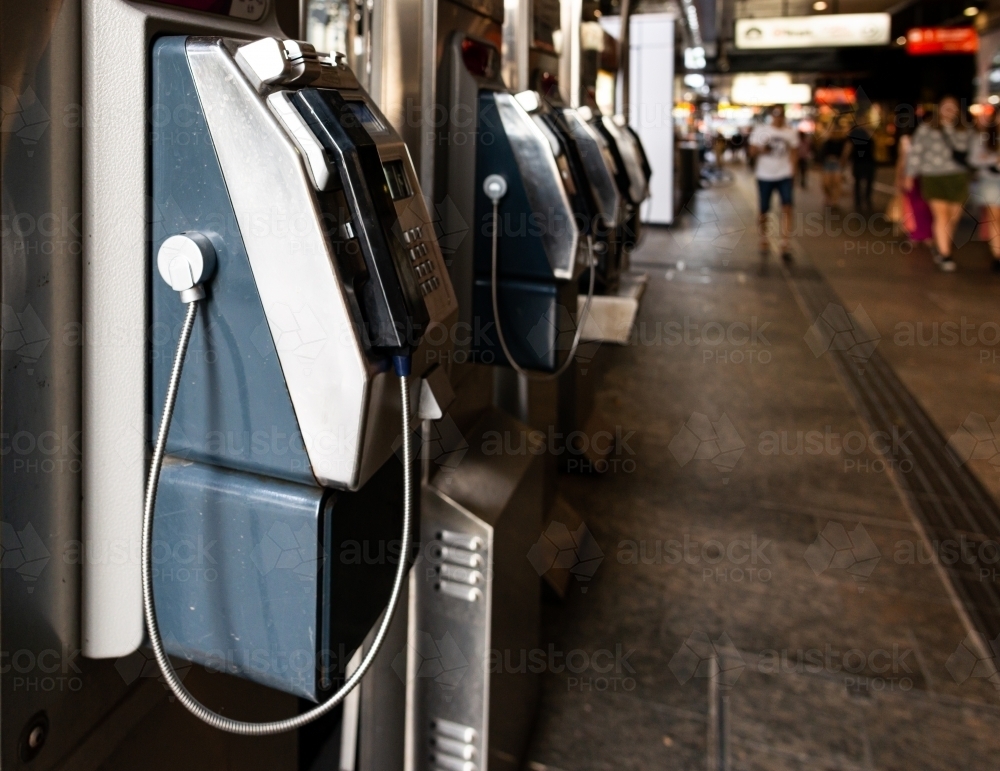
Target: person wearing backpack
point(938, 155)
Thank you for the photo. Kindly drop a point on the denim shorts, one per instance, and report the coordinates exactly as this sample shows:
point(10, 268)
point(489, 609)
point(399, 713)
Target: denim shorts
point(767, 188)
point(985, 192)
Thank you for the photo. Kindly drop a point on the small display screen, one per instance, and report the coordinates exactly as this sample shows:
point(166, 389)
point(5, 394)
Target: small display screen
point(395, 176)
point(366, 118)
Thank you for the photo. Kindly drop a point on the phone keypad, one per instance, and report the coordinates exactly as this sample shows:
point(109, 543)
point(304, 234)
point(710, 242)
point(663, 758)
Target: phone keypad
point(419, 251)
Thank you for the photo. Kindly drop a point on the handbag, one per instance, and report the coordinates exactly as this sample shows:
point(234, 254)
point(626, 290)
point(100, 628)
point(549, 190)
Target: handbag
point(961, 157)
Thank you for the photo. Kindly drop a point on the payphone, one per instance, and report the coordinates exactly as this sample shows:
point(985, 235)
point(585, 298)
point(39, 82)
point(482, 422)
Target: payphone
point(293, 220)
point(537, 249)
point(587, 178)
point(632, 175)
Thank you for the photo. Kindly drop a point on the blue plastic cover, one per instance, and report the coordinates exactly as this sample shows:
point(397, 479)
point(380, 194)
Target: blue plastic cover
point(237, 563)
point(233, 408)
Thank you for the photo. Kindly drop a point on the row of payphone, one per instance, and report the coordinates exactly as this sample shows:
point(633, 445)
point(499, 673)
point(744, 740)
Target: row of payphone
point(574, 184)
point(301, 325)
point(251, 209)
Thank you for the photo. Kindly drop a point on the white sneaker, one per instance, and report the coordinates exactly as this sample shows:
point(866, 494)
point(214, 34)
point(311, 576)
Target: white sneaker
point(947, 265)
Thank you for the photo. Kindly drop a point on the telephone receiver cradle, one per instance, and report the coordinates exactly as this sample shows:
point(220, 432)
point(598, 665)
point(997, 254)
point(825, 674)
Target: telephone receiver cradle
point(281, 457)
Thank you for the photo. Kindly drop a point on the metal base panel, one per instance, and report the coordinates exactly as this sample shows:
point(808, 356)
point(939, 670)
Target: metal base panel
point(476, 605)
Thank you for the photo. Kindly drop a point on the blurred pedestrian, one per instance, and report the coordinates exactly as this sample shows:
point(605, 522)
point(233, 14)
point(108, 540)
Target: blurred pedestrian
point(773, 147)
point(719, 148)
point(984, 157)
point(938, 156)
point(805, 157)
point(916, 214)
point(831, 154)
point(860, 149)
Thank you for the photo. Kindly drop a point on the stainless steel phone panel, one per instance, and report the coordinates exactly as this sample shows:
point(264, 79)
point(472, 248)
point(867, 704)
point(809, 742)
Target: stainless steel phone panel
point(450, 711)
point(295, 272)
point(543, 184)
point(596, 159)
point(638, 189)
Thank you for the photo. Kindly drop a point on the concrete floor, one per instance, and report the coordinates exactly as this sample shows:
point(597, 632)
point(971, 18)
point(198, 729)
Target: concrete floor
point(767, 602)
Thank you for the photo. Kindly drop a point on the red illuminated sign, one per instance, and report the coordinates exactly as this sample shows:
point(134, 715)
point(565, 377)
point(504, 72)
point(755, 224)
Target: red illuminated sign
point(942, 40)
point(835, 96)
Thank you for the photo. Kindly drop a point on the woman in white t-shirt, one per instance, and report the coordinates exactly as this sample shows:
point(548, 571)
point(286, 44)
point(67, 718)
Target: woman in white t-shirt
point(774, 148)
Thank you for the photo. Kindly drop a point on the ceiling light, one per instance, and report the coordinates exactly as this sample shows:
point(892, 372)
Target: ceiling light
point(819, 5)
point(694, 58)
point(970, 11)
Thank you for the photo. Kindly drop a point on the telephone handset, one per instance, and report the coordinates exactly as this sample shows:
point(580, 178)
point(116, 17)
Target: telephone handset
point(391, 304)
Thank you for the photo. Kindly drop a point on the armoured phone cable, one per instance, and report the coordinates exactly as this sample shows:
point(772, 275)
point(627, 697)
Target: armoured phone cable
point(196, 708)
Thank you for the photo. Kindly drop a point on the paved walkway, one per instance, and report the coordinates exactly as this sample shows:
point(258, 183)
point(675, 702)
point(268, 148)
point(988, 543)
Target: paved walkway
point(767, 597)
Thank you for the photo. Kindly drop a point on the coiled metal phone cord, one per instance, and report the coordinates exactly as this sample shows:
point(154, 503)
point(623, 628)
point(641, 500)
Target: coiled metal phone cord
point(496, 311)
point(195, 707)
